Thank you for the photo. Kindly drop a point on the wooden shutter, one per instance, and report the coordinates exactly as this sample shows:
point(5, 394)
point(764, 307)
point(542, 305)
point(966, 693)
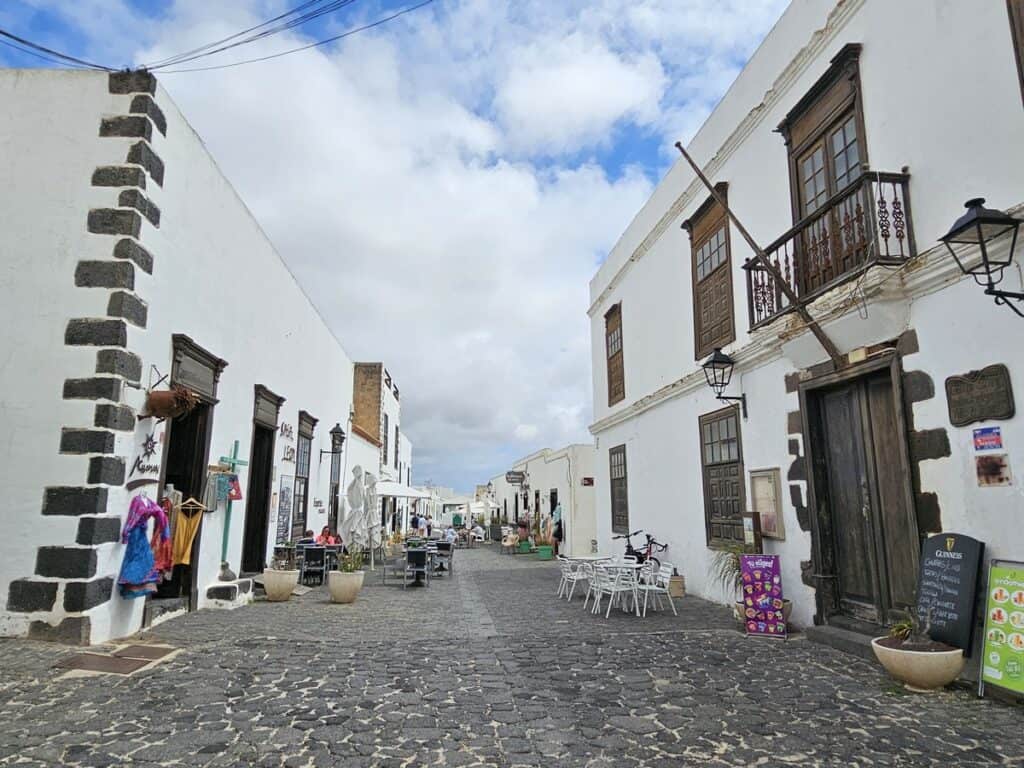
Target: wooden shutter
point(619, 489)
point(613, 349)
point(722, 466)
point(711, 276)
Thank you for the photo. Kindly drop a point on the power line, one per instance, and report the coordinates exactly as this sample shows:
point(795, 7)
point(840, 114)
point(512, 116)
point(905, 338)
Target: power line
point(305, 47)
point(178, 57)
point(58, 54)
point(42, 56)
point(290, 24)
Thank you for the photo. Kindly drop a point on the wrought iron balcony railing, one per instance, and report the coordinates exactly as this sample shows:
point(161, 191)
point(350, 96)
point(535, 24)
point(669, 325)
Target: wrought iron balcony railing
point(866, 223)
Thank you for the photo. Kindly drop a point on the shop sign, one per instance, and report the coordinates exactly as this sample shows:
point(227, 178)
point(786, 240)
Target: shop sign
point(947, 585)
point(515, 478)
point(284, 510)
point(761, 576)
point(980, 396)
point(988, 439)
point(587, 482)
point(148, 446)
point(1002, 662)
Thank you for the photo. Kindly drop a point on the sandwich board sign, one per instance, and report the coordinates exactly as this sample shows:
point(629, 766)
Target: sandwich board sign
point(1002, 659)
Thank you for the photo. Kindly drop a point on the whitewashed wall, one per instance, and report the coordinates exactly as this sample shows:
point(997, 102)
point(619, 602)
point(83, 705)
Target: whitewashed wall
point(941, 96)
point(216, 278)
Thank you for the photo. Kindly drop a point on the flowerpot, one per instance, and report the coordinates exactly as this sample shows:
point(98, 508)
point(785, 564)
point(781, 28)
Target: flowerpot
point(676, 586)
point(738, 610)
point(920, 671)
point(524, 547)
point(545, 552)
point(164, 404)
point(279, 584)
point(344, 587)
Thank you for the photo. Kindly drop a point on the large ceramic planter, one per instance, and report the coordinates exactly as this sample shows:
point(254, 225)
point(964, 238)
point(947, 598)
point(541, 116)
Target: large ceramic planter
point(545, 552)
point(920, 670)
point(524, 547)
point(279, 584)
point(344, 587)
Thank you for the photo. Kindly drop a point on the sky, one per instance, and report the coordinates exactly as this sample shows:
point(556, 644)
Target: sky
point(444, 185)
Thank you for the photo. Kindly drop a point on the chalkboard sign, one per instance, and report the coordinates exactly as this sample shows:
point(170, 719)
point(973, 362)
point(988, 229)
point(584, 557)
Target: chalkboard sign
point(284, 510)
point(947, 586)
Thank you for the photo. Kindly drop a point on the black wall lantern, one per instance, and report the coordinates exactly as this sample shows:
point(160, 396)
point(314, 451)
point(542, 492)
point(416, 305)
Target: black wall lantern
point(337, 440)
point(718, 372)
point(988, 230)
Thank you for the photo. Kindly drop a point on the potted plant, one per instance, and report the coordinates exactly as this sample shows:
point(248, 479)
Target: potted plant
point(543, 549)
point(171, 403)
point(344, 584)
point(727, 572)
point(281, 577)
point(910, 655)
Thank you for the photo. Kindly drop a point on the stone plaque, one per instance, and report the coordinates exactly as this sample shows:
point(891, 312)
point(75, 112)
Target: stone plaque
point(979, 396)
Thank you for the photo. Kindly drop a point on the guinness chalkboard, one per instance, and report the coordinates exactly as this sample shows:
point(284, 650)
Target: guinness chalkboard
point(947, 585)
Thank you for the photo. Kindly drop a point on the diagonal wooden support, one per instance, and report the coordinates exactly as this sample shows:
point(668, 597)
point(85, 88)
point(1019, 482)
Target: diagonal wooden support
point(759, 256)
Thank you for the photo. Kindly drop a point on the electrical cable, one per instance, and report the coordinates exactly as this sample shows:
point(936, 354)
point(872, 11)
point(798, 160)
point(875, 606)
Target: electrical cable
point(42, 56)
point(304, 47)
point(176, 57)
point(290, 24)
point(58, 54)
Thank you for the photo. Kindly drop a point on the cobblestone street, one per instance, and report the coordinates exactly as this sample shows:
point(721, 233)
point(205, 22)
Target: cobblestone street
point(483, 668)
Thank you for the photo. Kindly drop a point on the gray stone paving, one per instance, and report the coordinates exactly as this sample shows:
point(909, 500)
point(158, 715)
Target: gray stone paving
point(485, 668)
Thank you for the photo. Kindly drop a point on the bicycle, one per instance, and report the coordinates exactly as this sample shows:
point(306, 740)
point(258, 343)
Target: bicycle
point(646, 551)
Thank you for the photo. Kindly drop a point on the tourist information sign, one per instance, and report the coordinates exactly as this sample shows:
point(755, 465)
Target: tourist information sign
point(1002, 660)
point(762, 595)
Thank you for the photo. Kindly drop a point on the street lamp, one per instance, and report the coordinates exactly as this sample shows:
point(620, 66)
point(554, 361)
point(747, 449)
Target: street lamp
point(718, 372)
point(337, 440)
point(988, 230)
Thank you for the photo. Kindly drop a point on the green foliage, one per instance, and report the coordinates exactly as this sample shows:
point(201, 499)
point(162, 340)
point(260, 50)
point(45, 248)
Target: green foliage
point(725, 567)
point(351, 562)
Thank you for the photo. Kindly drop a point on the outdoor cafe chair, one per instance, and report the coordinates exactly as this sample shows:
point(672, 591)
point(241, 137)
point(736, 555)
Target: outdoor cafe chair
point(445, 552)
point(616, 582)
point(416, 563)
point(572, 573)
point(314, 563)
point(656, 583)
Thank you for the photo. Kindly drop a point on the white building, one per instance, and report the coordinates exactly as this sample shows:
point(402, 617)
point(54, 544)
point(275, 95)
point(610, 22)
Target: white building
point(132, 264)
point(848, 113)
point(551, 478)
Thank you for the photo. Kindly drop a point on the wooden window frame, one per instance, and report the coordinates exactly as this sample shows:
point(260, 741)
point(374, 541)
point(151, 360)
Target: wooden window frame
point(710, 219)
point(1015, 8)
point(831, 101)
point(618, 450)
point(384, 446)
point(734, 412)
point(615, 361)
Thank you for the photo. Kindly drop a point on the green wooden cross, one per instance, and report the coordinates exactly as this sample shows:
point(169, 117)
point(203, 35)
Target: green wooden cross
point(234, 463)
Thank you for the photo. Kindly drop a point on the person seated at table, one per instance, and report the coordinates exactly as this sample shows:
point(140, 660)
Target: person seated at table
point(478, 532)
point(327, 538)
point(308, 538)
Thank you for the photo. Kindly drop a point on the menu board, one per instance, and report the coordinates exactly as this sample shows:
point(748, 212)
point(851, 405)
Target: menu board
point(947, 587)
point(1002, 661)
point(284, 510)
point(762, 595)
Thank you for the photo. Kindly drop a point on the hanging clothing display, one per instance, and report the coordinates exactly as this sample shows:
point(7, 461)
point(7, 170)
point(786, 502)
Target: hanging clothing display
point(188, 518)
point(138, 572)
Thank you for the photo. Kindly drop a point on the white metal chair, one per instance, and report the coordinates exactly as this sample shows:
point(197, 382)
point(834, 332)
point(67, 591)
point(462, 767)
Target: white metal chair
point(614, 582)
point(656, 583)
point(572, 573)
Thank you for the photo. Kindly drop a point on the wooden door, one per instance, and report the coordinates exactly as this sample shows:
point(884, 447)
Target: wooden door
point(257, 501)
point(619, 489)
point(865, 518)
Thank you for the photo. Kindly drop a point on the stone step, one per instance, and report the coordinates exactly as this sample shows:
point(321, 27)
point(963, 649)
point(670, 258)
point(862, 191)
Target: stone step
point(845, 640)
point(229, 590)
point(162, 608)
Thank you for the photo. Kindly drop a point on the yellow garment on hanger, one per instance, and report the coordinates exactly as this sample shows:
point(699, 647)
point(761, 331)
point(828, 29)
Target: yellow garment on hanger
point(189, 516)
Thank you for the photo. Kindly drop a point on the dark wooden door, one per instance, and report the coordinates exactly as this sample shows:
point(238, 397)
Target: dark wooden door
point(619, 489)
point(257, 501)
point(861, 490)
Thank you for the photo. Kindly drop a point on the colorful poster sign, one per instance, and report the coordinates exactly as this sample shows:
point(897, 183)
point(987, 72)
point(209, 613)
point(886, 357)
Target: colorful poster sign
point(762, 595)
point(988, 439)
point(1002, 662)
point(284, 510)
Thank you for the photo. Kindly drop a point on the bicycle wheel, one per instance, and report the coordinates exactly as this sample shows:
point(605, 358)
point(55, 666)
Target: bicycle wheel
point(656, 561)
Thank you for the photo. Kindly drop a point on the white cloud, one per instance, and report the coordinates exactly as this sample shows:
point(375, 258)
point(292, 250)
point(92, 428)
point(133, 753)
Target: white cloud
point(416, 180)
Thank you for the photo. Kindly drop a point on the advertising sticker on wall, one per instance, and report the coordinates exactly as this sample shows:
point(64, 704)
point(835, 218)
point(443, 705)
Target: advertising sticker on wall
point(1002, 662)
point(988, 439)
point(762, 595)
point(993, 470)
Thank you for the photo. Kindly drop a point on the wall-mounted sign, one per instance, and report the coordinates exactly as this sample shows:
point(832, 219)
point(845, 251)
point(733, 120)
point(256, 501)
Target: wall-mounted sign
point(288, 454)
point(946, 587)
point(766, 493)
point(1002, 658)
point(979, 396)
point(284, 510)
point(145, 467)
point(993, 470)
point(587, 481)
point(287, 432)
point(988, 439)
point(762, 595)
point(515, 478)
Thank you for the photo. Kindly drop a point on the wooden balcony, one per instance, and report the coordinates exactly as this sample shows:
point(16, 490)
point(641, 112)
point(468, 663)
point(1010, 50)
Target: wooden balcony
point(865, 224)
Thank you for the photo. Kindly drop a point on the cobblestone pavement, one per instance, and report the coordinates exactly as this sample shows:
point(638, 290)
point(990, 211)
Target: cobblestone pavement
point(485, 668)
